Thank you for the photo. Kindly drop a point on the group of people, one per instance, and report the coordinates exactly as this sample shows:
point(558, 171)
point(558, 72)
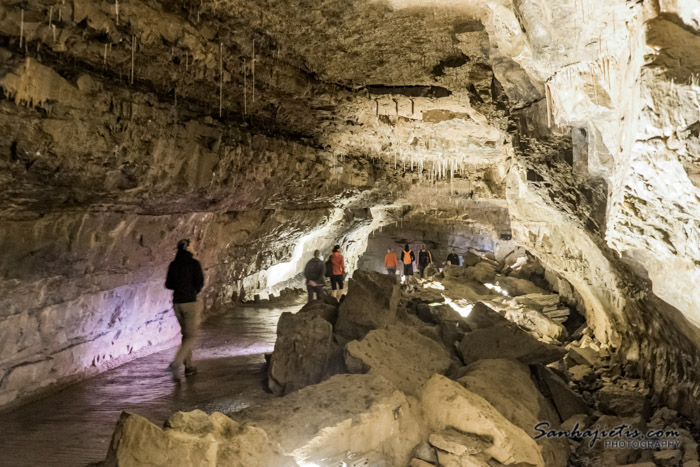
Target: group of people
point(185, 279)
point(408, 257)
point(316, 271)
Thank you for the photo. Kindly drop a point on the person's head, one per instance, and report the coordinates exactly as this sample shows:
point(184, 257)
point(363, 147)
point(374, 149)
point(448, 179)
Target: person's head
point(317, 253)
point(406, 247)
point(422, 247)
point(388, 250)
point(336, 249)
point(185, 245)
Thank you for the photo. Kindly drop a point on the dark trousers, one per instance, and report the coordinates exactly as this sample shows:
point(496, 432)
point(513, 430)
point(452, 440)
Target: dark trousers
point(422, 269)
point(317, 289)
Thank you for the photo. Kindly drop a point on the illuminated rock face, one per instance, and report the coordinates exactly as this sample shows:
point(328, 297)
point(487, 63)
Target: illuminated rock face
point(267, 131)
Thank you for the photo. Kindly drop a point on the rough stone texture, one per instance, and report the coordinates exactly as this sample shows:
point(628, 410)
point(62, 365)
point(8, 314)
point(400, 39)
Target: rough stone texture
point(506, 384)
point(370, 304)
point(493, 336)
point(448, 404)
point(344, 414)
point(302, 352)
point(400, 354)
point(192, 438)
point(566, 402)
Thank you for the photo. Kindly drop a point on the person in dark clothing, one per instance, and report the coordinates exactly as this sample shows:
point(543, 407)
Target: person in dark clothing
point(424, 259)
point(315, 273)
point(407, 258)
point(453, 259)
point(186, 280)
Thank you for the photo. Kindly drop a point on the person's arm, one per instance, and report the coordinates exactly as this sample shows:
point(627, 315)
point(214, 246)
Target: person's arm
point(198, 277)
point(430, 255)
point(342, 264)
point(169, 279)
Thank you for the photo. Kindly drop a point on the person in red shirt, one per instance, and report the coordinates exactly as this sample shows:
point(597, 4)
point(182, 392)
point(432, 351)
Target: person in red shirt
point(390, 262)
point(337, 272)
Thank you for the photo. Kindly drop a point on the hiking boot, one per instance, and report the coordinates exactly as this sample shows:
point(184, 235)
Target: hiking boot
point(191, 371)
point(174, 372)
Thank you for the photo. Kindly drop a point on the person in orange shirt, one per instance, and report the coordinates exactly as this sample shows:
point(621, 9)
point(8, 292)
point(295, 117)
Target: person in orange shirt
point(337, 272)
point(390, 262)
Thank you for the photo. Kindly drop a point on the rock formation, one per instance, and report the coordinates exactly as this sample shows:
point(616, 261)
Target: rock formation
point(554, 146)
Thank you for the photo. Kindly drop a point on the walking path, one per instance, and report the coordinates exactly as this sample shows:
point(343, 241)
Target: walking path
point(74, 427)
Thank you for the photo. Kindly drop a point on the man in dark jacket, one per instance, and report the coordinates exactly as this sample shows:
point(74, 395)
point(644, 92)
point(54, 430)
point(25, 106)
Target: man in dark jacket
point(424, 259)
point(407, 258)
point(453, 259)
point(315, 273)
point(186, 280)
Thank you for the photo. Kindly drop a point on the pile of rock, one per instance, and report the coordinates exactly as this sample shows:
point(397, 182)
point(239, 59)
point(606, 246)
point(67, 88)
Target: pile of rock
point(394, 378)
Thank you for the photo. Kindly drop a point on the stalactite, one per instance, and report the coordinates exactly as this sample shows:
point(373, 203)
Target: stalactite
point(548, 98)
point(133, 52)
point(60, 12)
point(104, 58)
point(53, 32)
point(221, 79)
point(116, 10)
point(245, 90)
point(21, 29)
point(253, 71)
point(50, 16)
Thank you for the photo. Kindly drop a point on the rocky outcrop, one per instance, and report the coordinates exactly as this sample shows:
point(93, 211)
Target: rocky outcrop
point(358, 415)
point(400, 354)
point(506, 384)
point(493, 336)
point(302, 352)
point(192, 438)
point(370, 304)
point(448, 404)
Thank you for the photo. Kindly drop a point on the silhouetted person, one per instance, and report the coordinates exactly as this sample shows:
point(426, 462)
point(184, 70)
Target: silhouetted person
point(315, 272)
point(186, 280)
point(390, 262)
point(424, 260)
point(407, 258)
point(337, 272)
point(453, 259)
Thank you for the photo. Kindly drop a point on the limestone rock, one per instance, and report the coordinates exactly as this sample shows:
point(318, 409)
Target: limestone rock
point(668, 457)
point(614, 400)
point(507, 385)
point(537, 323)
point(302, 352)
point(322, 309)
point(370, 304)
point(448, 404)
point(344, 414)
point(516, 286)
point(400, 354)
point(425, 452)
point(538, 302)
point(194, 439)
point(507, 341)
point(416, 462)
point(483, 271)
point(458, 443)
point(565, 400)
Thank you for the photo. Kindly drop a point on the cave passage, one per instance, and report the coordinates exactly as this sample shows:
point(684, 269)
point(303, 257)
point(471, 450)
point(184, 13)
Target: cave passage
point(75, 425)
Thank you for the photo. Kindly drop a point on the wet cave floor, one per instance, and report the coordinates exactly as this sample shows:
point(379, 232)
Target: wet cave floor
point(74, 426)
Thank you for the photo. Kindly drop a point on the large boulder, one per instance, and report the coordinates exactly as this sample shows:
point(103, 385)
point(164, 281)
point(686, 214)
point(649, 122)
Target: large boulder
point(402, 355)
point(483, 271)
point(564, 399)
point(507, 385)
point(516, 286)
point(191, 439)
point(370, 304)
point(346, 416)
point(302, 354)
point(447, 404)
point(493, 336)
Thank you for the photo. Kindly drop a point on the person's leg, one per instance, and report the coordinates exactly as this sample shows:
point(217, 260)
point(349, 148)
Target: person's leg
point(340, 287)
point(319, 291)
point(310, 291)
point(190, 314)
point(333, 286)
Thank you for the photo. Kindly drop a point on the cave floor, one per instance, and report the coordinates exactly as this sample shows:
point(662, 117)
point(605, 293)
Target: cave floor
point(74, 426)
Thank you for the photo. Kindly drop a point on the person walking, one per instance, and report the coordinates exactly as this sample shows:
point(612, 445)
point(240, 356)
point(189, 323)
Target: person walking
point(407, 258)
point(315, 274)
point(337, 272)
point(424, 260)
point(186, 280)
point(390, 262)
